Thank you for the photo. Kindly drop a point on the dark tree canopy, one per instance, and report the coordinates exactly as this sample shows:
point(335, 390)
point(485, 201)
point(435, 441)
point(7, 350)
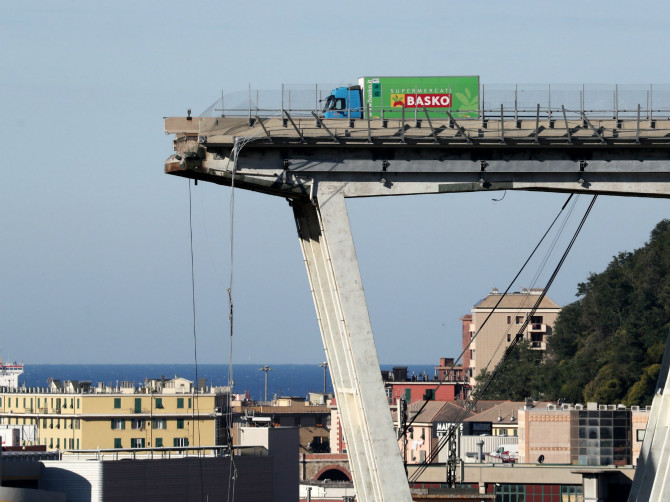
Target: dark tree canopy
point(608, 345)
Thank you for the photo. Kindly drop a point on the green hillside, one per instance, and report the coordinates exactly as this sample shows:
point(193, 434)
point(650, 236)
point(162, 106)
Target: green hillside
point(608, 345)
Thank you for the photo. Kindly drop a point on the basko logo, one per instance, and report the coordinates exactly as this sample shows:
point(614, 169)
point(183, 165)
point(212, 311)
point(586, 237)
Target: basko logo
point(421, 100)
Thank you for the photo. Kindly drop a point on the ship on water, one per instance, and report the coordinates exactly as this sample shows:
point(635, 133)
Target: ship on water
point(9, 374)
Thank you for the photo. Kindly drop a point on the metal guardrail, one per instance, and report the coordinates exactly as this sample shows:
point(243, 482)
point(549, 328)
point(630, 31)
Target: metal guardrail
point(580, 129)
point(509, 101)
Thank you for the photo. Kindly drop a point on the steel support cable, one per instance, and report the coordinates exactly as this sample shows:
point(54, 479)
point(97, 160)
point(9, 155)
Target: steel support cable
point(477, 396)
point(509, 286)
point(194, 423)
point(232, 473)
point(508, 351)
point(536, 276)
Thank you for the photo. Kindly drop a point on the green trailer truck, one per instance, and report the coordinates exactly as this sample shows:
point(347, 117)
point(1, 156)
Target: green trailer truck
point(393, 97)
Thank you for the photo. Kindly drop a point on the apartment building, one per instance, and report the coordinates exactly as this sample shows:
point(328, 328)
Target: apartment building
point(312, 418)
point(73, 415)
point(510, 317)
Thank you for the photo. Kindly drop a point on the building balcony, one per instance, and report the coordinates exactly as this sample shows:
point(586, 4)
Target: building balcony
point(537, 345)
point(537, 327)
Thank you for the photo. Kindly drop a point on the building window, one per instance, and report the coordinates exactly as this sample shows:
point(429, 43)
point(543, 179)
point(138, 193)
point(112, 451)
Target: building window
point(137, 443)
point(509, 319)
point(77, 403)
point(117, 443)
point(519, 319)
point(158, 442)
point(510, 492)
point(159, 423)
point(117, 403)
point(509, 337)
point(159, 402)
point(640, 434)
point(180, 402)
point(189, 403)
point(118, 424)
point(572, 493)
point(180, 442)
point(137, 424)
point(180, 423)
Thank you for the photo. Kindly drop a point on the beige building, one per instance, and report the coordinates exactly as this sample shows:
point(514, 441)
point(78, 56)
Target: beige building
point(591, 435)
point(511, 316)
point(76, 416)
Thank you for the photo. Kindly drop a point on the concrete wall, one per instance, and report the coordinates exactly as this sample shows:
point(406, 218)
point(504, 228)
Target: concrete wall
point(27, 495)
point(164, 480)
point(81, 481)
point(544, 432)
point(282, 445)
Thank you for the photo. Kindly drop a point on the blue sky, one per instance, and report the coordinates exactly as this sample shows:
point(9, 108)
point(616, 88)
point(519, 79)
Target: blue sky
point(95, 260)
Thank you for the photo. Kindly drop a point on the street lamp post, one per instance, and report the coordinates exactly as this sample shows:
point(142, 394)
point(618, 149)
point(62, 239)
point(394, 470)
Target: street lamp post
point(324, 365)
point(266, 369)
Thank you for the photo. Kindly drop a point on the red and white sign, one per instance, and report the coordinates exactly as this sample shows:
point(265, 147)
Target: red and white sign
point(428, 100)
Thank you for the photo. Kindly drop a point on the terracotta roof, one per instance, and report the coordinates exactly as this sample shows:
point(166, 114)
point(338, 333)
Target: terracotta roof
point(428, 413)
point(515, 301)
point(506, 412)
point(452, 412)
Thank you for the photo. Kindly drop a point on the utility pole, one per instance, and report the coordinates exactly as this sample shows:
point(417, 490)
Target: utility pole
point(266, 369)
point(324, 365)
point(402, 433)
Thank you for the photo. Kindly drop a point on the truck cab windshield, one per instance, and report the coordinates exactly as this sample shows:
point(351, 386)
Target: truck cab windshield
point(333, 103)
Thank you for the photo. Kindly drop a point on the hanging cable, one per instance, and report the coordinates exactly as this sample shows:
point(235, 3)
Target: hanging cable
point(535, 277)
point(232, 475)
point(238, 144)
point(519, 336)
point(194, 394)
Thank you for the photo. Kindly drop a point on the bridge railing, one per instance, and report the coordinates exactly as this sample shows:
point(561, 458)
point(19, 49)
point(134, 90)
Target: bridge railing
point(508, 101)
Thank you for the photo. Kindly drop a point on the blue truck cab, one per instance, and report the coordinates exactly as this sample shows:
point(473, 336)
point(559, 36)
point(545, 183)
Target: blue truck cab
point(344, 102)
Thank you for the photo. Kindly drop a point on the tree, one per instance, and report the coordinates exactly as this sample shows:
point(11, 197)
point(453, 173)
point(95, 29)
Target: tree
point(608, 345)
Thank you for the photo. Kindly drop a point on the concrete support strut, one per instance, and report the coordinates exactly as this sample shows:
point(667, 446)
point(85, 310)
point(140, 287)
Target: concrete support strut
point(332, 267)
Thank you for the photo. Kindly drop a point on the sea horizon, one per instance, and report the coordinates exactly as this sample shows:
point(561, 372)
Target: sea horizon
point(283, 380)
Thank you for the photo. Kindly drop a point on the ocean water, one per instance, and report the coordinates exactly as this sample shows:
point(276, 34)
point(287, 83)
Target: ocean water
point(283, 380)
